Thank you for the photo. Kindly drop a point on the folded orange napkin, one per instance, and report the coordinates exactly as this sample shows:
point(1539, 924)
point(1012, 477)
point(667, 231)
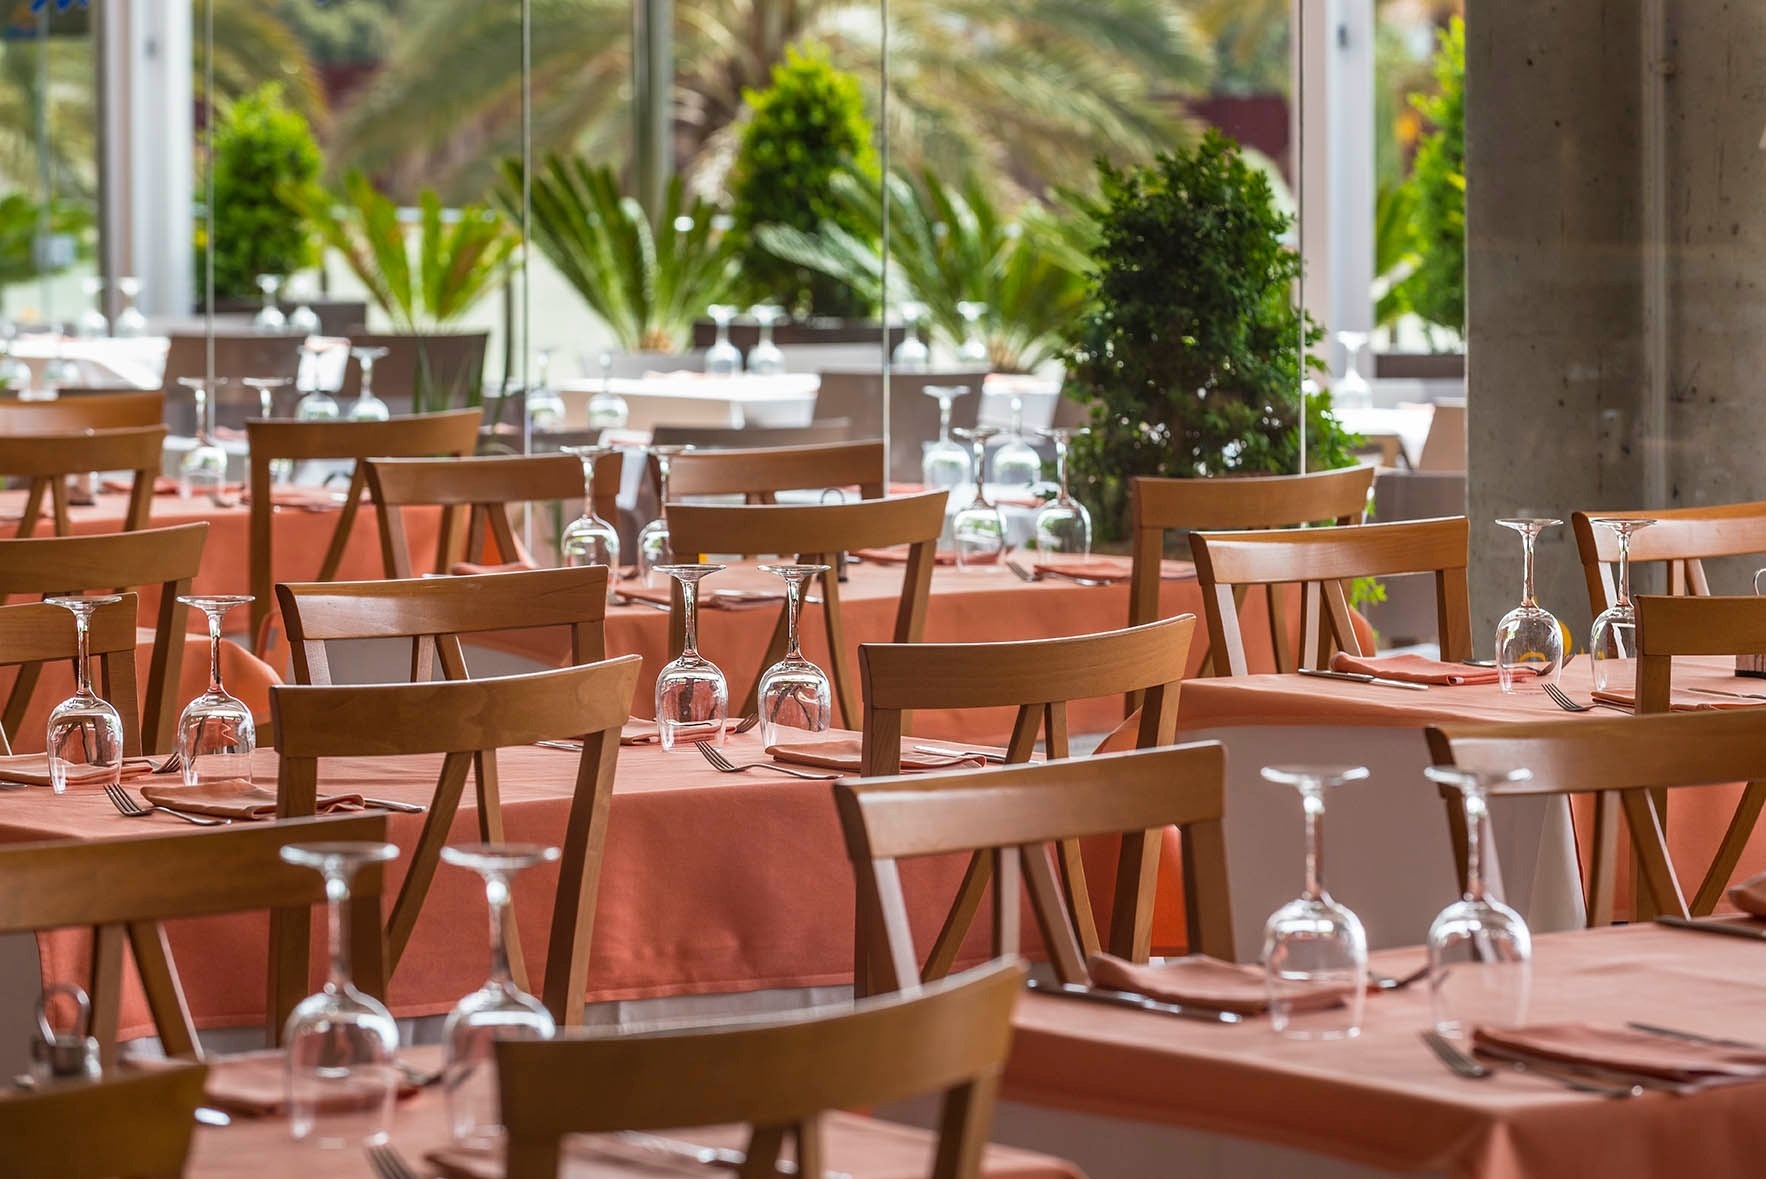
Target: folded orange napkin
point(162, 485)
point(313, 499)
point(709, 598)
point(1199, 981)
point(236, 799)
point(33, 770)
point(584, 1156)
point(899, 556)
point(1680, 700)
point(1101, 569)
point(639, 731)
point(1627, 1050)
point(842, 749)
point(469, 568)
point(1750, 896)
point(1415, 669)
point(255, 1085)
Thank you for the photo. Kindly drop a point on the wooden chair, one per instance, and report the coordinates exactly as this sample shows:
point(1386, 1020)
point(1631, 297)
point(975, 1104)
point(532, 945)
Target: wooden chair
point(124, 890)
point(777, 1074)
point(448, 365)
point(1628, 763)
point(857, 396)
point(1322, 560)
point(423, 436)
point(1038, 678)
point(133, 1126)
point(752, 437)
point(759, 474)
point(1444, 446)
point(1682, 538)
point(462, 720)
point(237, 354)
point(434, 611)
point(818, 534)
point(132, 410)
point(167, 557)
point(1012, 815)
point(484, 487)
point(36, 632)
point(47, 461)
point(1270, 501)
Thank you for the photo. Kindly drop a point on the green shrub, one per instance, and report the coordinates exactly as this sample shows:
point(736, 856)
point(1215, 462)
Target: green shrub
point(1190, 355)
point(265, 163)
point(806, 127)
point(1436, 289)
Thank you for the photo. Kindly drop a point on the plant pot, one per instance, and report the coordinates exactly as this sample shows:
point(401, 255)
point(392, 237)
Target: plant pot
point(1420, 366)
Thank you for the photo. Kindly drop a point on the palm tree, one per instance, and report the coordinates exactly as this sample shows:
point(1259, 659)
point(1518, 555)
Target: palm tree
point(1023, 91)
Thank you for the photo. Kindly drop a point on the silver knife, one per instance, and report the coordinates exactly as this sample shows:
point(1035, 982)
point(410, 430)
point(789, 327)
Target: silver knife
point(388, 804)
point(1130, 1000)
point(1355, 677)
point(1752, 930)
point(1695, 1037)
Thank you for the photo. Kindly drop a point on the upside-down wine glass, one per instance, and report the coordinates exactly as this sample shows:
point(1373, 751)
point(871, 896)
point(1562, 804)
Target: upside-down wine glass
point(60, 371)
point(973, 349)
point(588, 539)
point(499, 1010)
point(269, 317)
point(203, 469)
point(692, 697)
point(545, 408)
point(367, 407)
point(1016, 464)
point(1480, 950)
point(653, 547)
point(303, 318)
point(1612, 642)
point(1353, 391)
point(722, 359)
point(281, 470)
point(317, 405)
point(765, 359)
point(216, 735)
point(1063, 525)
point(130, 323)
point(93, 324)
point(945, 463)
point(607, 410)
point(1313, 942)
point(1529, 641)
point(911, 355)
point(84, 736)
point(979, 530)
point(794, 692)
point(341, 1045)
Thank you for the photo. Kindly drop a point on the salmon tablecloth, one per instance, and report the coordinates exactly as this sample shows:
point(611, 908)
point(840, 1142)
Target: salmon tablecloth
point(1383, 1100)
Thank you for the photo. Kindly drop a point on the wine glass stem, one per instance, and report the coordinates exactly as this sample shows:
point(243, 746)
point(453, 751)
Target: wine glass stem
point(662, 461)
point(980, 472)
point(1313, 802)
point(82, 672)
point(793, 599)
point(1476, 810)
point(944, 420)
point(588, 485)
point(1624, 567)
point(689, 618)
point(337, 895)
point(214, 652)
point(202, 415)
point(1061, 467)
point(496, 891)
point(1527, 539)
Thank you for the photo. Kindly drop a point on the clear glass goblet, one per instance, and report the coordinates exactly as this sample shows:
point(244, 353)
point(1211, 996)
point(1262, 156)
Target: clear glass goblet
point(317, 405)
point(795, 694)
point(1480, 950)
point(1016, 464)
point(1529, 641)
point(1612, 641)
point(1353, 391)
point(499, 1010)
point(303, 319)
point(281, 470)
point(203, 469)
point(367, 407)
point(93, 324)
point(607, 410)
point(59, 372)
point(911, 355)
point(341, 1045)
point(1063, 525)
point(973, 349)
point(765, 359)
point(130, 323)
point(1312, 941)
point(945, 463)
point(722, 359)
point(269, 317)
point(588, 539)
point(545, 408)
point(84, 738)
point(216, 735)
point(653, 546)
point(979, 530)
point(692, 696)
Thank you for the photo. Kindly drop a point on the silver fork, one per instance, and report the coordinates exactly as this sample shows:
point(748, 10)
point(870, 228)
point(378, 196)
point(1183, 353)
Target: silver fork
point(388, 1163)
point(127, 806)
point(1563, 701)
point(169, 765)
point(724, 765)
point(748, 722)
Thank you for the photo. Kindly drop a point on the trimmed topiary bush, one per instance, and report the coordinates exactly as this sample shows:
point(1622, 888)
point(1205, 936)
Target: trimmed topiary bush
point(266, 167)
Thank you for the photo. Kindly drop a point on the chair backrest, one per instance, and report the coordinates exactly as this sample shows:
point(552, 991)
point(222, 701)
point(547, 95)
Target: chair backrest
point(1444, 446)
point(818, 534)
point(36, 632)
point(913, 417)
point(46, 461)
point(165, 557)
point(485, 488)
point(1323, 560)
point(1266, 501)
point(1683, 538)
point(134, 1126)
point(125, 888)
point(422, 436)
point(1013, 814)
point(1623, 761)
point(434, 611)
point(447, 366)
point(777, 1074)
point(465, 720)
point(1668, 626)
point(818, 433)
point(88, 411)
point(759, 474)
point(271, 355)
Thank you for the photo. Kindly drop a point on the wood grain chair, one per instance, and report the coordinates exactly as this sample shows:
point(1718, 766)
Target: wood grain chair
point(760, 474)
point(434, 612)
point(1037, 677)
point(1268, 501)
point(448, 367)
point(481, 489)
point(1629, 764)
point(777, 1074)
point(130, 410)
point(35, 633)
point(752, 437)
point(913, 417)
point(1012, 815)
point(1682, 538)
point(237, 354)
point(423, 436)
point(818, 534)
point(1323, 560)
point(133, 1126)
point(125, 889)
point(462, 720)
point(165, 557)
point(1444, 446)
point(47, 461)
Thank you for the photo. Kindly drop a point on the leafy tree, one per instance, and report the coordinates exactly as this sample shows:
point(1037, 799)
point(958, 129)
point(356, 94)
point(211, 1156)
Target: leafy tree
point(266, 168)
point(1436, 290)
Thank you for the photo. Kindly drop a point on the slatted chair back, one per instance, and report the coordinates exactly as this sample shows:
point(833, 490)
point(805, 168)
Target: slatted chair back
point(463, 720)
point(136, 1126)
point(1259, 502)
point(125, 889)
point(165, 557)
point(453, 433)
point(46, 461)
point(1013, 815)
point(1682, 538)
point(1324, 561)
point(760, 474)
point(35, 632)
point(131, 410)
point(777, 1074)
point(818, 534)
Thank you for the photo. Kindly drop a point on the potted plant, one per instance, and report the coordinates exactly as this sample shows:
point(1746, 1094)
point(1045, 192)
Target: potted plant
point(1190, 353)
point(266, 168)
